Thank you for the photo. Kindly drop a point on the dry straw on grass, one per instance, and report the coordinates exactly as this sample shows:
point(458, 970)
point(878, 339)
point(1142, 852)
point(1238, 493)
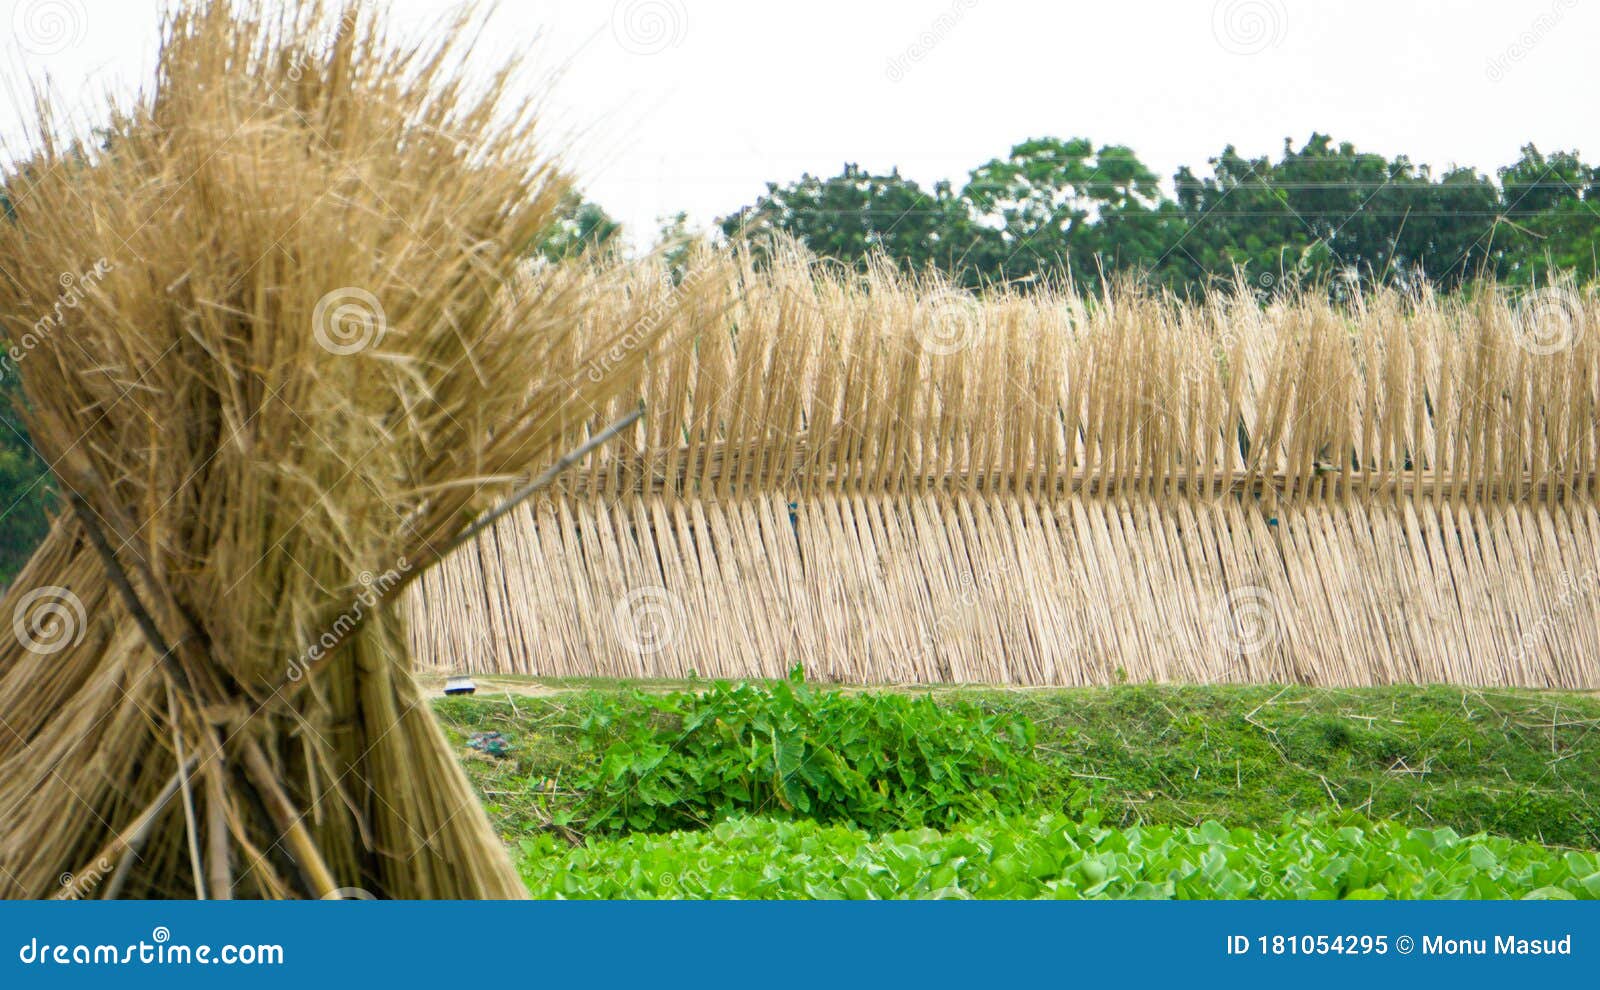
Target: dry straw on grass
point(308, 360)
point(891, 481)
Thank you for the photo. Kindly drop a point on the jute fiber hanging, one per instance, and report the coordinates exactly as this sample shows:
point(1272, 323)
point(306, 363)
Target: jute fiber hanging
point(301, 353)
point(889, 480)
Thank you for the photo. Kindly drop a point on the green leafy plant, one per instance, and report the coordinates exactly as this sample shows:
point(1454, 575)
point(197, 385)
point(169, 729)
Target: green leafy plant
point(1476, 761)
point(1057, 857)
point(879, 761)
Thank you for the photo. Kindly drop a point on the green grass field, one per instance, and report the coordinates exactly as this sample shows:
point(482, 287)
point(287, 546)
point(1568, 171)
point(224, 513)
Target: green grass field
point(1520, 764)
point(1195, 791)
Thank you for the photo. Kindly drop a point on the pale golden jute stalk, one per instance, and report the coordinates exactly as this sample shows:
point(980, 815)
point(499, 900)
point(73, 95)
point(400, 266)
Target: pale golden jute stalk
point(301, 350)
point(889, 480)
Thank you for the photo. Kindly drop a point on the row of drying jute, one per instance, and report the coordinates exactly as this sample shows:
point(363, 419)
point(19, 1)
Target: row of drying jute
point(888, 480)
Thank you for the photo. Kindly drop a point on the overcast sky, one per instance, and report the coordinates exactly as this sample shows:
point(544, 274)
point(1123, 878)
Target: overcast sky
point(667, 105)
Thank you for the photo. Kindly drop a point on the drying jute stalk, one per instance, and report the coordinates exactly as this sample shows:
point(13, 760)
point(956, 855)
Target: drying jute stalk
point(281, 345)
point(888, 479)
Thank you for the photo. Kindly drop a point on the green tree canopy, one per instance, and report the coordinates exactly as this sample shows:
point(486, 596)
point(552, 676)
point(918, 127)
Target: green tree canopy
point(1323, 210)
point(855, 213)
point(581, 226)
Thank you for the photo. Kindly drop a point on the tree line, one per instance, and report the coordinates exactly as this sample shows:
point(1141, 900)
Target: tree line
point(1323, 211)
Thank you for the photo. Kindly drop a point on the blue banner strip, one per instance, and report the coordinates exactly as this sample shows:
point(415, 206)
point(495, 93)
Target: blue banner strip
point(829, 944)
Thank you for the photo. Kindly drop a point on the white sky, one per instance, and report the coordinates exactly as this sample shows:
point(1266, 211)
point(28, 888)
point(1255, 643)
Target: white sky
point(695, 104)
